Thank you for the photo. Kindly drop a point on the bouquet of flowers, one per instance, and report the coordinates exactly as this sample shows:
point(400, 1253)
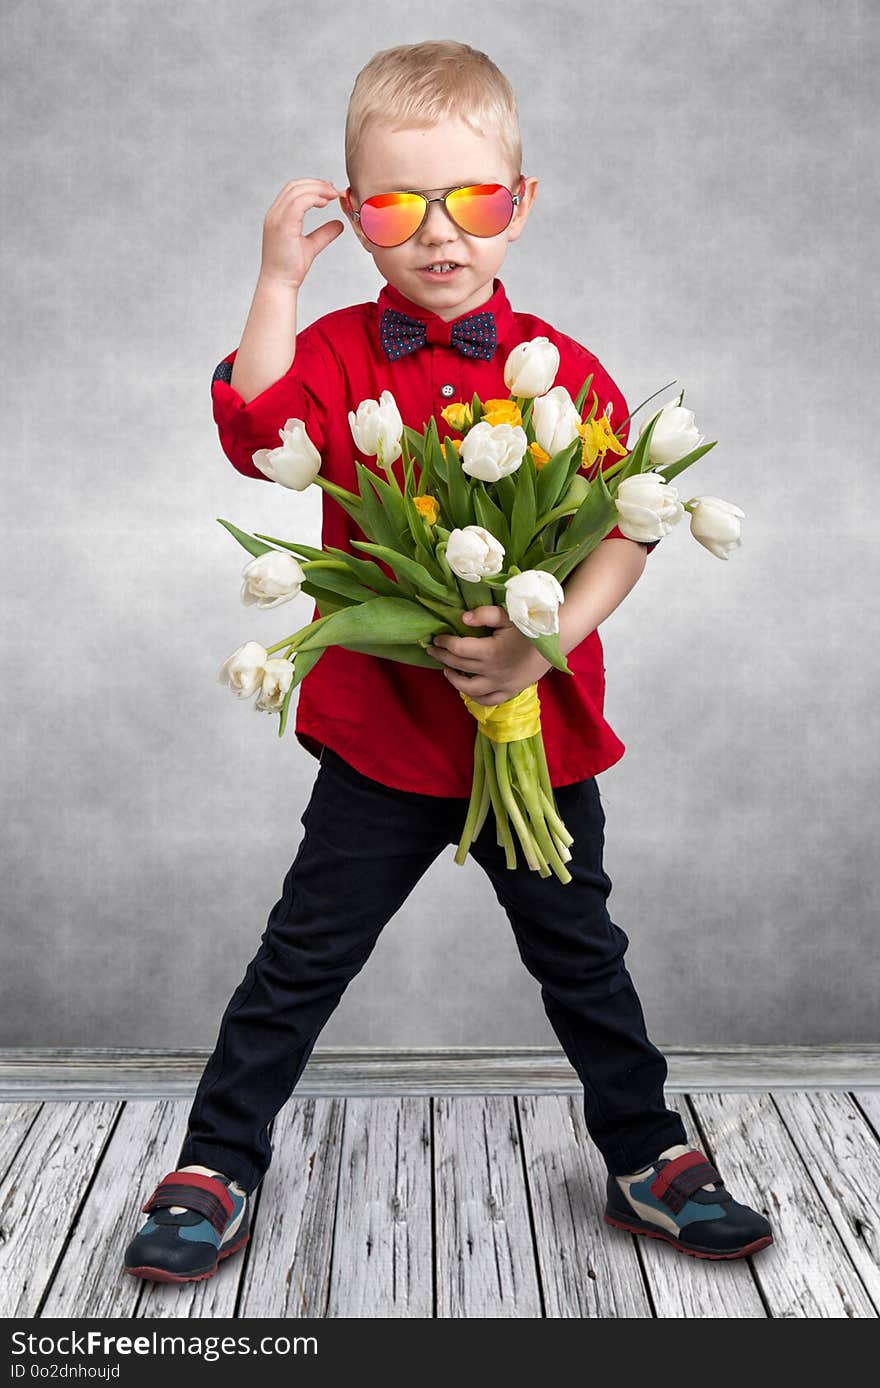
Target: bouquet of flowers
point(500, 514)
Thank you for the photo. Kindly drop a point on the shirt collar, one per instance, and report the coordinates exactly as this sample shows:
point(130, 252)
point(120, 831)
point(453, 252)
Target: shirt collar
point(438, 330)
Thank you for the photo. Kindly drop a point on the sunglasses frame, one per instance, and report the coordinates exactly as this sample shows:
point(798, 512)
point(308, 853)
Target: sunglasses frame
point(411, 192)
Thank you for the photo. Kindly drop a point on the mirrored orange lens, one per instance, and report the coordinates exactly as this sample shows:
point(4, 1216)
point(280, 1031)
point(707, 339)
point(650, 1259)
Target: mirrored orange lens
point(482, 211)
point(389, 219)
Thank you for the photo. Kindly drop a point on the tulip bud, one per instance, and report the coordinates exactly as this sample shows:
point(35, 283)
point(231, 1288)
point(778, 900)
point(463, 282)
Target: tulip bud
point(532, 601)
point(555, 420)
point(647, 507)
point(376, 423)
point(296, 463)
point(472, 553)
point(531, 367)
point(491, 451)
point(243, 671)
point(716, 524)
point(271, 578)
point(675, 434)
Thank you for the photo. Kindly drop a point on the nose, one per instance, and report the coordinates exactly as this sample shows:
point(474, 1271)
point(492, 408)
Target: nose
point(438, 227)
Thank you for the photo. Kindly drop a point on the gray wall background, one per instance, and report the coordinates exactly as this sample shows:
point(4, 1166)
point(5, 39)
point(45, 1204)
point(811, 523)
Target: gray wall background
point(707, 211)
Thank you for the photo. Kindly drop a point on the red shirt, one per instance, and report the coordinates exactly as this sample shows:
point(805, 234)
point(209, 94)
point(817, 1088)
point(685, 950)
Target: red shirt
point(404, 725)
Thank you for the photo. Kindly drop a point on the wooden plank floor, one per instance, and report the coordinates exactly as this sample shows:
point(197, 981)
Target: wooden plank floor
point(478, 1205)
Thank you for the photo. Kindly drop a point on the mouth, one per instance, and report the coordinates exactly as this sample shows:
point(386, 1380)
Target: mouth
point(434, 271)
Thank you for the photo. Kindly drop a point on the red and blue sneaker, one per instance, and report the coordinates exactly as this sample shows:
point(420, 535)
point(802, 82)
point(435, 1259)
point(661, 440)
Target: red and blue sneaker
point(682, 1199)
point(196, 1220)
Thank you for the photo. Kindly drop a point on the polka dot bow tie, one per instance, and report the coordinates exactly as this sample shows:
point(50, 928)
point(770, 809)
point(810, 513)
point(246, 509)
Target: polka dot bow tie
point(474, 336)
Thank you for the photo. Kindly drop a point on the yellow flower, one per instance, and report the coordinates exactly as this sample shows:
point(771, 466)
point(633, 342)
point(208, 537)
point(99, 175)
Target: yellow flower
point(598, 438)
point(539, 455)
point(501, 412)
point(458, 415)
point(428, 507)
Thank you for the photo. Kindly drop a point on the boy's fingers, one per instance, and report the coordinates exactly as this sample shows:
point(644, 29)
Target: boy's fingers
point(489, 615)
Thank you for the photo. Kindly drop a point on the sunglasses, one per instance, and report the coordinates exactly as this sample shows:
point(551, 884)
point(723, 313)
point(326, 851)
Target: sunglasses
point(480, 209)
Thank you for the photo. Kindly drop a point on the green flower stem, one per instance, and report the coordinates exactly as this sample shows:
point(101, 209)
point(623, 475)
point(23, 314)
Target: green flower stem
point(534, 809)
point(293, 642)
point(522, 829)
point(608, 472)
point(540, 755)
point(551, 516)
point(340, 493)
point(551, 813)
point(451, 576)
point(452, 615)
point(503, 836)
point(479, 787)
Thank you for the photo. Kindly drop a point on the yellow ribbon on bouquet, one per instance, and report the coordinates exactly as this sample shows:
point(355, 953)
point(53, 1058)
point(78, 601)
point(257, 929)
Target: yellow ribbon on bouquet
point(512, 721)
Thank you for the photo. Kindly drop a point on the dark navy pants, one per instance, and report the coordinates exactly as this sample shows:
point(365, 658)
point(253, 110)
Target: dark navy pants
point(365, 847)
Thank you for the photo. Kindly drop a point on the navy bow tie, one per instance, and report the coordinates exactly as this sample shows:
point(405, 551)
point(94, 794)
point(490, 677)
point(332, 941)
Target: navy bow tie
point(474, 336)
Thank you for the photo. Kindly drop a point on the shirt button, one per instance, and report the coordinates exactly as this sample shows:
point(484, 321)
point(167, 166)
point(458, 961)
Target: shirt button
point(447, 391)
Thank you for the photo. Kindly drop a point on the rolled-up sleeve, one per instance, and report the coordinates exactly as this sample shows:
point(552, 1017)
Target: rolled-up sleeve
point(303, 392)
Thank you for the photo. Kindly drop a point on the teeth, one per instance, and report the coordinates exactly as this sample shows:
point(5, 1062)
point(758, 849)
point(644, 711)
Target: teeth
point(445, 265)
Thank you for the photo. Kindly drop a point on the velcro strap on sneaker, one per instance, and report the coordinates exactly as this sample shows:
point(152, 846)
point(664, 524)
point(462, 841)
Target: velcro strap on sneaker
point(679, 1178)
point(204, 1194)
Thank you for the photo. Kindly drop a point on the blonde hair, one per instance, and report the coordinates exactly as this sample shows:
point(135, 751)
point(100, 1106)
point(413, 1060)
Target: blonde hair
point(417, 85)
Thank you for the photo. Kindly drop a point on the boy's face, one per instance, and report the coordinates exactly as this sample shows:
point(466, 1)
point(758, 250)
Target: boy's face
point(431, 162)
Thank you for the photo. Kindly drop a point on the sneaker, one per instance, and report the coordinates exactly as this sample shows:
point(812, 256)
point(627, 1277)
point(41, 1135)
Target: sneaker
point(196, 1220)
point(682, 1199)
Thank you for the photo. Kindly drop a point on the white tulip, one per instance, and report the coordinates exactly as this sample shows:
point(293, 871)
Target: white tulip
point(490, 451)
point(296, 463)
point(271, 578)
point(531, 367)
point(716, 524)
point(647, 507)
point(532, 600)
point(675, 434)
point(378, 422)
point(243, 671)
point(473, 553)
point(277, 677)
point(555, 419)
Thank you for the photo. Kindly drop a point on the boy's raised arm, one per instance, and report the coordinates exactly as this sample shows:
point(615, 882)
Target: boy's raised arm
point(262, 384)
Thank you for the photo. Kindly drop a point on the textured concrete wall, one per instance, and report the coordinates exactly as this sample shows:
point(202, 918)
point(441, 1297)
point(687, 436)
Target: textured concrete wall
point(707, 212)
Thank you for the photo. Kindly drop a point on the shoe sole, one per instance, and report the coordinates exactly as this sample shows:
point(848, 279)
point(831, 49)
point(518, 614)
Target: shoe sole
point(651, 1233)
point(162, 1275)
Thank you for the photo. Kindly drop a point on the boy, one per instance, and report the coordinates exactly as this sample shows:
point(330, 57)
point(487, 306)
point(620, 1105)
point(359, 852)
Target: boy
point(395, 742)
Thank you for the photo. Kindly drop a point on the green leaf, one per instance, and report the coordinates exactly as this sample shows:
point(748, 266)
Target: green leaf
point(476, 409)
point(303, 662)
point(402, 564)
point(334, 575)
point(490, 516)
point(376, 523)
point(523, 515)
point(550, 649)
point(460, 490)
point(553, 478)
point(381, 621)
point(306, 551)
point(367, 572)
point(327, 600)
point(505, 493)
point(592, 515)
point(415, 442)
point(582, 394)
point(671, 470)
point(409, 653)
point(248, 542)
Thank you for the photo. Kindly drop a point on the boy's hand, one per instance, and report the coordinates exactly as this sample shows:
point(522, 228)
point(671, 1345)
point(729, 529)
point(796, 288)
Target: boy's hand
point(490, 668)
point(287, 254)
